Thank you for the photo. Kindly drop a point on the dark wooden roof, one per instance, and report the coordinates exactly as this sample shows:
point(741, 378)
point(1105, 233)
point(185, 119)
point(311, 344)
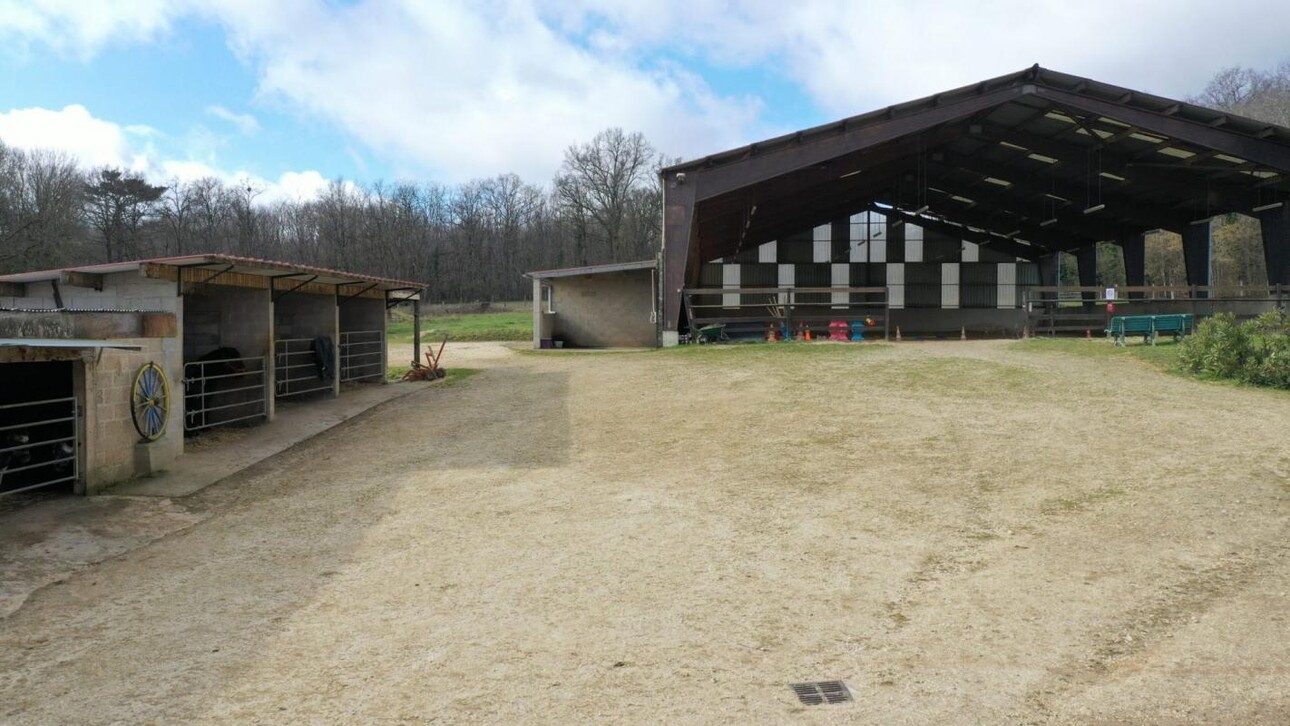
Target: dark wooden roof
point(1031, 162)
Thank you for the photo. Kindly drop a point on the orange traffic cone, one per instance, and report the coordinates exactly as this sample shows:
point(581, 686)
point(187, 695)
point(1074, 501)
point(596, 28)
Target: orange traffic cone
point(808, 333)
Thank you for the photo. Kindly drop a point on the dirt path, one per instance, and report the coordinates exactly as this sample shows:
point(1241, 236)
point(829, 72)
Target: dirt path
point(964, 532)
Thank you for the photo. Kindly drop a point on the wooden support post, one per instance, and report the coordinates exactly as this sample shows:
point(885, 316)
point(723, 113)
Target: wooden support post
point(335, 349)
point(270, 362)
point(416, 331)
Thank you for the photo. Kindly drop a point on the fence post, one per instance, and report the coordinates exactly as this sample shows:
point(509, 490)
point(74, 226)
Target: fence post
point(788, 312)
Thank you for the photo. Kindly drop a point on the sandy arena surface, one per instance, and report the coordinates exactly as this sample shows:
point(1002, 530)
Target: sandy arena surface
point(963, 532)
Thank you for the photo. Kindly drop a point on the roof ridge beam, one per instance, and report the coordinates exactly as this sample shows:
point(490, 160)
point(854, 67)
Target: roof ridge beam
point(715, 181)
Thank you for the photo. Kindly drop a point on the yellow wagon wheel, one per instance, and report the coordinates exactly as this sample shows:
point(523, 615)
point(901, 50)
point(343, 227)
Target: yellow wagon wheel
point(150, 402)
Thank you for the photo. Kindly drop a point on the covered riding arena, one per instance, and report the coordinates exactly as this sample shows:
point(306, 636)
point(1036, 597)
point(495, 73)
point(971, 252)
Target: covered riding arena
point(946, 214)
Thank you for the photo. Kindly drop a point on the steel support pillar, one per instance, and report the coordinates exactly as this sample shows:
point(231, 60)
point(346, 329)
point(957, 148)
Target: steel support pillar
point(680, 256)
point(1275, 224)
point(1198, 248)
point(1086, 261)
point(1048, 270)
point(1134, 248)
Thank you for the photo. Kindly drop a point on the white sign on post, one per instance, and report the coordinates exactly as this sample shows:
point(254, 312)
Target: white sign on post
point(1110, 293)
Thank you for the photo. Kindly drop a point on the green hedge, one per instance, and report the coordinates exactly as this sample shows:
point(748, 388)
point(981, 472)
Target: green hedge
point(1255, 352)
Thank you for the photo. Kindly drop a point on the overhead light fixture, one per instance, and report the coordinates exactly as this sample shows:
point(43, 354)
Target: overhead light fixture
point(1048, 222)
point(922, 209)
point(1266, 207)
point(1109, 175)
point(1013, 233)
point(1057, 198)
point(850, 173)
point(1206, 220)
point(1095, 208)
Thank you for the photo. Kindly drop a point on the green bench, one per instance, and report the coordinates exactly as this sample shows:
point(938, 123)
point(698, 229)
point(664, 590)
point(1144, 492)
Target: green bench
point(1150, 326)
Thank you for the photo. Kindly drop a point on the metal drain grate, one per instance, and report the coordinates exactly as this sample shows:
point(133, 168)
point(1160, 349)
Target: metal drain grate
point(817, 693)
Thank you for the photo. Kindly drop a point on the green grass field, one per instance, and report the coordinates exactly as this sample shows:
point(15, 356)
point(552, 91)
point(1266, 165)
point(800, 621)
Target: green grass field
point(1163, 355)
point(500, 325)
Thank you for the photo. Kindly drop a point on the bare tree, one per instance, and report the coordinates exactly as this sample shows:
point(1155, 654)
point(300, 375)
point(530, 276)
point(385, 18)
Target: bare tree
point(40, 197)
point(598, 181)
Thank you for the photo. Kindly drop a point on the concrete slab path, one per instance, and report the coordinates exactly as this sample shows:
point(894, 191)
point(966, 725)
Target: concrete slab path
point(220, 454)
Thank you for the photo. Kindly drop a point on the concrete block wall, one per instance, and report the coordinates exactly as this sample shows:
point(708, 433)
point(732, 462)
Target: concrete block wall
point(609, 310)
point(302, 315)
point(121, 291)
point(218, 316)
point(362, 315)
point(109, 434)
point(235, 317)
point(305, 315)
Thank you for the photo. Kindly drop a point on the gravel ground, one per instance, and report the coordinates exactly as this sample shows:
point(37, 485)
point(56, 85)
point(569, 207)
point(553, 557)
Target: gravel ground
point(963, 532)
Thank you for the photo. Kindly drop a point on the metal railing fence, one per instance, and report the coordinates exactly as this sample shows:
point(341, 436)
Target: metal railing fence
point(295, 368)
point(40, 448)
point(362, 355)
point(218, 392)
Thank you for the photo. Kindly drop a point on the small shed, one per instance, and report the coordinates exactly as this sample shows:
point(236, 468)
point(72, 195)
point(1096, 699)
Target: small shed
point(598, 306)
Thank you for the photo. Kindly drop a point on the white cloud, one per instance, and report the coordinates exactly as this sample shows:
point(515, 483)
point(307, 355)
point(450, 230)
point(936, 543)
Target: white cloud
point(83, 27)
point(854, 56)
point(461, 88)
point(245, 122)
point(97, 142)
point(466, 89)
point(75, 131)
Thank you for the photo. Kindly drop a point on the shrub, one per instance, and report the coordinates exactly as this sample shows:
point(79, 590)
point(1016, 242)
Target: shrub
point(1220, 347)
point(1256, 352)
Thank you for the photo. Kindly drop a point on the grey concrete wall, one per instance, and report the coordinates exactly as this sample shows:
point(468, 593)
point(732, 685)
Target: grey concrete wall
point(304, 315)
point(217, 316)
point(609, 310)
point(362, 315)
point(121, 291)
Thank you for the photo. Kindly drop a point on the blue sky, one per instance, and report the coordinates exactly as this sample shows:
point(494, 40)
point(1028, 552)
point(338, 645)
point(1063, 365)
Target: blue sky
point(291, 93)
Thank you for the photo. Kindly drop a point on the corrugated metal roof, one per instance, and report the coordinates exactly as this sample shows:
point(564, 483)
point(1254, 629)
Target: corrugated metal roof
point(1034, 75)
point(592, 269)
point(67, 343)
point(245, 265)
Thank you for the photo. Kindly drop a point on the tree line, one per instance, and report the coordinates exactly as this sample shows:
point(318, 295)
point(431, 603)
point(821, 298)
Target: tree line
point(471, 241)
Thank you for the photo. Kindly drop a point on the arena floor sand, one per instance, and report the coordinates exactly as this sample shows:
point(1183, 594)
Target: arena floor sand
point(963, 532)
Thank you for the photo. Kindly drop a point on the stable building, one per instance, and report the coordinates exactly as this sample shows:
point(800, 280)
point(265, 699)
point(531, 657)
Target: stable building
point(104, 369)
